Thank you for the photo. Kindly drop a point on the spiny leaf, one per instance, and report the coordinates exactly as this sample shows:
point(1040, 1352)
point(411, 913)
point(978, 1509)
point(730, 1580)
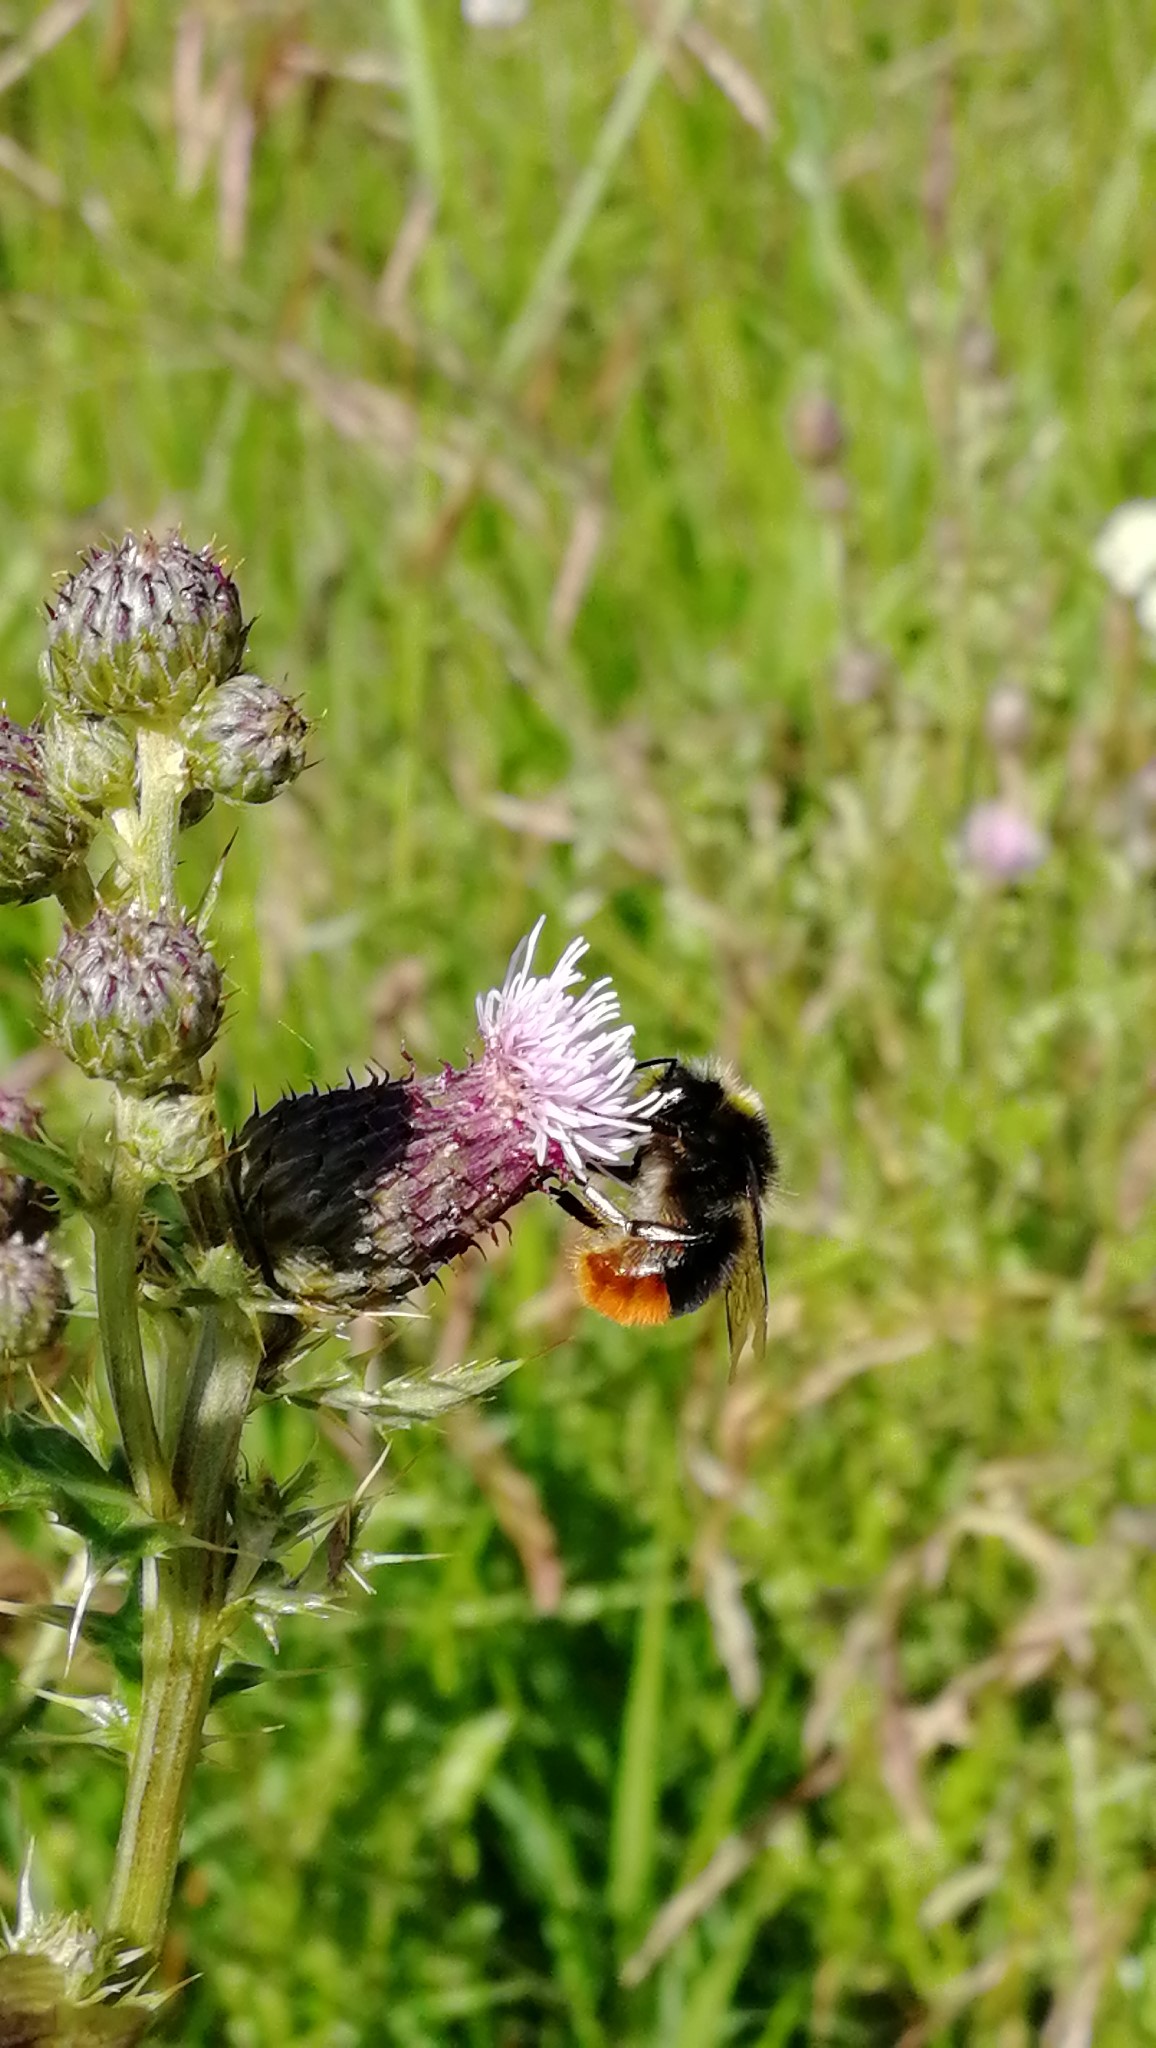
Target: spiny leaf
point(411, 1399)
point(118, 1634)
point(238, 1677)
point(43, 1162)
point(44, 1466)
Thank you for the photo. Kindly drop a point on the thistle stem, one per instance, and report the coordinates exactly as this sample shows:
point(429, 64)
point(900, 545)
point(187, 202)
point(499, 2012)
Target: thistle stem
point(115, 1229)
point(184, 1596)
point(161, 764)
point(180, 1657)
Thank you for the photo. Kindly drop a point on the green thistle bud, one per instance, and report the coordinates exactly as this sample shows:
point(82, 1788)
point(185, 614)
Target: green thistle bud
point(173, 1137)
point(23, 1202)
point(33, 1298)
point(133, 997)
point(61, 1986)
point(90, 763)
point(144, 626)
point(246, 741)
point(39, 841)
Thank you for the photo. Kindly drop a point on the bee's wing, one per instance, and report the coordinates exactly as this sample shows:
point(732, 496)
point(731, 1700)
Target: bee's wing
point(747, 1288)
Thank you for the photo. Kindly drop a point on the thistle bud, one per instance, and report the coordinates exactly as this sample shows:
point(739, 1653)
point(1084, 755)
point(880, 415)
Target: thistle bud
point(145, 626)
point(133, 997)
point(354, 1198)
point(39, 840)
point(24, 1204)
point(90, 763)
point(245, 742)
point(33, 1298)
point(61, 1986)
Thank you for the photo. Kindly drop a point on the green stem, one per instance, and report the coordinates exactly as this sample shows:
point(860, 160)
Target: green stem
point(115, 1227)
point(540, 311)
point(161, 764)
point(182, 1631)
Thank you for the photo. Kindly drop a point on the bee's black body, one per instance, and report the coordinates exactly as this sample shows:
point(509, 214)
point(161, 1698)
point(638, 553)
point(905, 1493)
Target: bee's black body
point(698, 1184)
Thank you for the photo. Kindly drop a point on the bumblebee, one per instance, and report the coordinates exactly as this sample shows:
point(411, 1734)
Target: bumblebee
point(695, 1225)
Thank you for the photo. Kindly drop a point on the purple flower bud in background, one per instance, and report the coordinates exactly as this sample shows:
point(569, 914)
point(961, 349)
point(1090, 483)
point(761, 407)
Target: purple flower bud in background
point(818, 436)
point(860, 673)
point(354, 1198)
point(147, 625)
point(1001, 843)
point(133, 997)
point(1007, 717)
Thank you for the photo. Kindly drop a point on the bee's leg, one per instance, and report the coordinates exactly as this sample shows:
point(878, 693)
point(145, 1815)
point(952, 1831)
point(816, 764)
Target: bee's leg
point(596, 1211)
point(660, 1233)
point(627, 1174)
point(590, 1208)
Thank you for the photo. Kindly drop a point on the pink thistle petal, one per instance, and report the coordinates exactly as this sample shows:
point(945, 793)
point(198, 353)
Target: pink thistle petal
point(565, 1061)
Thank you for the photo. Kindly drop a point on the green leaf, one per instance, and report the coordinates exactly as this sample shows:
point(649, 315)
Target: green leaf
point(43, 1466)
point(240, 1676)
point(117, 1634)
point(43, 1162)
point(435, 1393)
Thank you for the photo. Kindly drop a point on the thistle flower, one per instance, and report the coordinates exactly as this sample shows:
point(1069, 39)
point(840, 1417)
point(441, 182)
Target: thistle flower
point(33, 1298)
point(1001, 843)
point(354, 1198)
point(90, 763)
point(39, 840)
point(133, 997)
point(245, 741)
point(23, 1202)
point(145, 626)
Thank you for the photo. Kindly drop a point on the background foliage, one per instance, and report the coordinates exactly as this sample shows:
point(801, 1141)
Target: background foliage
point(863, 1654)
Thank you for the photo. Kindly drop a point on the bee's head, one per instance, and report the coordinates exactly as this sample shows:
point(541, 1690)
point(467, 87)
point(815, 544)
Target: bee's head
point(717, 1124)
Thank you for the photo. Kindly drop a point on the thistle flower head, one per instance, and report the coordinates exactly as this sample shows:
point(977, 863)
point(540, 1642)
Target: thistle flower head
point(564, 1060)
point(39, 840)
point(245, 741)
point(133, 996)
point(354, 1198)
point(33, 1298)
point(145, 626)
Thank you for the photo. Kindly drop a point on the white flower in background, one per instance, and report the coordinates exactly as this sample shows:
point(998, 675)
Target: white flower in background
point(1125, 555)
point(494, 13)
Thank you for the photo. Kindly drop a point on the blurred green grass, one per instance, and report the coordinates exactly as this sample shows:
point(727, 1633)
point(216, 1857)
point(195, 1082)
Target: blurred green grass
point(449, 1817)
